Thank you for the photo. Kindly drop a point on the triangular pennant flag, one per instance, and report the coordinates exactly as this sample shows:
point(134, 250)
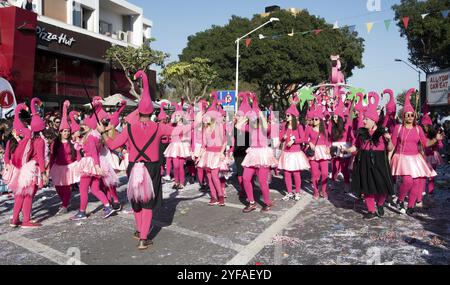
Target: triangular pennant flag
point(317, 31)
point(387, 24)
point(248, 42)
point(352, 29)
point(261, 36)
point(305, 33)
point(445, 13)
point(369, 27)
point(406, 22)
point(336, 25)
point(424, 15)
point(291, 34)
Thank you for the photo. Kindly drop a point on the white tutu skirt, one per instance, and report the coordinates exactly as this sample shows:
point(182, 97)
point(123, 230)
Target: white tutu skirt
point(260, 157)
point(110, 177)
point(411, 165)
point(321, 153)
point(140, 184)
point(178, 150)
point(64, 175)
point(197, 150)
point(435, 159)
point(293, 161)
point(212, 160)
point(28, 178)
point(86, 167)
point(10, 174)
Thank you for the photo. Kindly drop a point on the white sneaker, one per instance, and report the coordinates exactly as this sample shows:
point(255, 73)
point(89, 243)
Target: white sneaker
point(419, 205)
point(288, 197)
point(340, 177)
point(297, 197)
point(167, 178)
point(403, 211)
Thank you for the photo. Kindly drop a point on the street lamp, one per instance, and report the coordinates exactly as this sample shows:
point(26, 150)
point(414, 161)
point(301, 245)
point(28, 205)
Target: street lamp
point(416, 70)
point(237, 55)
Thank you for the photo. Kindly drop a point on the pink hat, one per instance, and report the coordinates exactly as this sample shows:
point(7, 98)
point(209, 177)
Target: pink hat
point(74, 126)
point(133, 117)
point(18, 125)
point(244, 107)
point(114, 118)
point(64, 122)
point(318, 112)
point(293, 111)
point(391, 107)
point(203, 105)
point(90, 122)
point(426, 120)
point(408, 107)
point(98, 107)
point(213, 110)
point(146, 104)
point(372, 110)
point(162, 114)
point(37, 123)
point(359, 106)
point(178, 108)
point(254, 112)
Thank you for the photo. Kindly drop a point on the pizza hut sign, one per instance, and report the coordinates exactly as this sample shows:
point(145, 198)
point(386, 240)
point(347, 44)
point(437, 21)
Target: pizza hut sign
point(49, 37)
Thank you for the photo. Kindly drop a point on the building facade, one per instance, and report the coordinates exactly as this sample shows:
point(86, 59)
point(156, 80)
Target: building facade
point(57, 51)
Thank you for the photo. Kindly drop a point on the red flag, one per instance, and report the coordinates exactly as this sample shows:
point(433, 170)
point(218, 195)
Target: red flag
point(317, 31)
point(248, 42)
point(406, 22)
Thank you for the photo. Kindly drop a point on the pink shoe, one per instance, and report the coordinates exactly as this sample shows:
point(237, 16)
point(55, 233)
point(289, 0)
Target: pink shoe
point(213, 202)
point(31, 225)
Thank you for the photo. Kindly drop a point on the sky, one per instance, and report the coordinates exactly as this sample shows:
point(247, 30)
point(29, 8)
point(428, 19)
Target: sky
point(175, 20)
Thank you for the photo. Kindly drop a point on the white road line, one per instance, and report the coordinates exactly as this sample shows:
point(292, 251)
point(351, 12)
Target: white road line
point(252, 249)
point(223, 242)
point(40, 249)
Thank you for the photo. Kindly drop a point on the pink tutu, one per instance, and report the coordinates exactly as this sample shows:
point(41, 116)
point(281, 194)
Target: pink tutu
point(64, 175)
point(110, 177)
point(435, 159)
point(178, 150)
point(293, 161)
point(411, 165)
point(197, 150)
point(260, 157)
point(321, 153)
point(29, 179)
point(140, 184)
point(86, 167)
point(10, 176)
point(211, 160)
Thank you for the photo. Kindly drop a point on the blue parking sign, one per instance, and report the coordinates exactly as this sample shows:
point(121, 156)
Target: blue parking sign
point(228, 97)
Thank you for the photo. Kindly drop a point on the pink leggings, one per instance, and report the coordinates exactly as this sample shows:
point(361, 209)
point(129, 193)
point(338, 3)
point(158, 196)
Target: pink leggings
point(143, 221)
point(319, 168)
point(341, 165)
point(65, 193)
point(379, 199)
point(200, 175)
point(288, 180)
point(94, 184)
point(263, 174)
point(169, 162)
point(111, 193)
point(412, 187)
point(214, 183)
point(23, 204)
point(178, 170)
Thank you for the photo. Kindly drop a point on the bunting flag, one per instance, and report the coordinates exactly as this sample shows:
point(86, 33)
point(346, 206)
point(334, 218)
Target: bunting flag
point(248, 42)
point(369, 27)
point(317, 31)
point(261, 36)
point(291, 34)
point(445, 13)
point(336, 26)
point(305, 33)
point(387, 24)
point(424, 15)
point(406, 22)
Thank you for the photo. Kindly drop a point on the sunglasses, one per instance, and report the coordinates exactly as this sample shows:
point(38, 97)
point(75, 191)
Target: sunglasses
point(57, 122)
point(409, 115)
point(316, 119)
point(288, 115)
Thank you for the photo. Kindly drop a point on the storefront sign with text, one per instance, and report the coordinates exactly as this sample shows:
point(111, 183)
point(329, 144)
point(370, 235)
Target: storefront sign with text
point(61, 39)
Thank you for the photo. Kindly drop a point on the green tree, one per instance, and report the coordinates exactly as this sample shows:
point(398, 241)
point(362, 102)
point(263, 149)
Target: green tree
point(280, 66)
point(428, 38)
point(131, 59)
point(191, 80)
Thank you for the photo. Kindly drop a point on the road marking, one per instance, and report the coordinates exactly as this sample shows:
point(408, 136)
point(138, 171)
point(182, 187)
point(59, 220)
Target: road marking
point(251, 250)
point(40, 249)
point(223, 242)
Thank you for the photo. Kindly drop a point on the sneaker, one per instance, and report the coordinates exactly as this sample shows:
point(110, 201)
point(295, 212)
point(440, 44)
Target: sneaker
point(117, 207)
point(369, 216)
point(31, 225)
point(107, 212)
point(79, 216)
point(144, 244)
point(213, 202)
point(250, 208)
point(316, 196)
point(297, 197)
point(288, 197)
point(419, 204)
point(13, 224)
point(410, 212)
point(62, 211)
point(266, 209)
point(175, 186)
point(137, 235)
point(401, 207)
point(380, 211)
point(221, 202)
point(167, 178)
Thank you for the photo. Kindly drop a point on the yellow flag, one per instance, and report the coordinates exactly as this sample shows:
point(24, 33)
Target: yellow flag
point(369, 27)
